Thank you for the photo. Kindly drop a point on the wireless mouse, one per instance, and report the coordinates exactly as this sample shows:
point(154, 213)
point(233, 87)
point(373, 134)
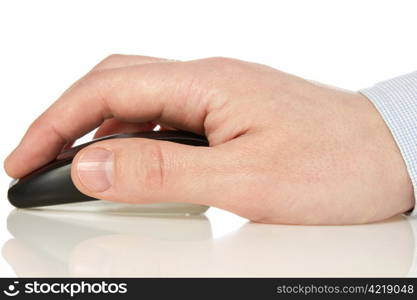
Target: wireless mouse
point(52, 185)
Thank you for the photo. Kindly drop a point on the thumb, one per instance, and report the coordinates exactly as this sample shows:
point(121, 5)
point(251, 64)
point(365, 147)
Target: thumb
point(145, 171)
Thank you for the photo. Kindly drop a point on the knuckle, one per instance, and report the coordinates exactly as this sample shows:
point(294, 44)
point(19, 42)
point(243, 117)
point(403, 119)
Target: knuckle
point(91, 82)
point(224, 63)
point(97, 79)
point(107, 61)
point(112, 57)
point(220, 60)
point(230, 68)
point(49, 130)
point(92, 76)
point(152, 167)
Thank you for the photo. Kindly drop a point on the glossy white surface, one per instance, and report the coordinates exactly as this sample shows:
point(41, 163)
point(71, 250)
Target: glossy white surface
point(47, 45)
point(51, 243)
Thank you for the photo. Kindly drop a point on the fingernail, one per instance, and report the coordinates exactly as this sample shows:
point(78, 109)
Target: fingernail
point(95, 169)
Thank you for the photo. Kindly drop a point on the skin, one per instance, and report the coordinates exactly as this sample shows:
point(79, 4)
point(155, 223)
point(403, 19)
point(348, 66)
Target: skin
point(282, 149)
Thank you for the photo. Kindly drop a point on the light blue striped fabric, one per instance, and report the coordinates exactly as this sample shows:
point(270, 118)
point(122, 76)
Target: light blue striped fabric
point(396, 100)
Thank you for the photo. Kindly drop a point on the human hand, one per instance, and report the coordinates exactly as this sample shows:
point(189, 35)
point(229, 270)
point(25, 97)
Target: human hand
point(282, 149)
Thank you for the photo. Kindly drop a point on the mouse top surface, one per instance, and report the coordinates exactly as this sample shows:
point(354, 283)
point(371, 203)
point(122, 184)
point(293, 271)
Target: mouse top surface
point(177, 136)
point(52, 183)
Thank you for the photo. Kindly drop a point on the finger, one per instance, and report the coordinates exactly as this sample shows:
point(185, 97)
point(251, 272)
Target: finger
point(112, 61)
point(149, 92)
point(119, 60)
point(113, 126)
point(147, 171)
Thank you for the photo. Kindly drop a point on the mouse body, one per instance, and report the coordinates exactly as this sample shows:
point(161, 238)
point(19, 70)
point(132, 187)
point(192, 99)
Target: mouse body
point(52, 183)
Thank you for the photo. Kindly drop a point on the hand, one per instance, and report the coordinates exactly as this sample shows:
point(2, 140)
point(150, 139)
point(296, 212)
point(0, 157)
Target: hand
point(282, 149)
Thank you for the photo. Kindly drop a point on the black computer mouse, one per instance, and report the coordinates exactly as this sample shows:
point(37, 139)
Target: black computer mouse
point(52, 183)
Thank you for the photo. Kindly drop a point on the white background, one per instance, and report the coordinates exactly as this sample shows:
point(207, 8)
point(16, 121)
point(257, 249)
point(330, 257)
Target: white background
point(47, 45)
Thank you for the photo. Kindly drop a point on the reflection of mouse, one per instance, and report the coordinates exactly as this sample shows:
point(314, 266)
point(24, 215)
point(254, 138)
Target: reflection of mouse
point(52, 184)
point(61, 235)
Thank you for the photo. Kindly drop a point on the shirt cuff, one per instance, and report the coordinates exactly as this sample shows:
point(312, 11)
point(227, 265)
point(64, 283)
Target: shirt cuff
point(396, 101)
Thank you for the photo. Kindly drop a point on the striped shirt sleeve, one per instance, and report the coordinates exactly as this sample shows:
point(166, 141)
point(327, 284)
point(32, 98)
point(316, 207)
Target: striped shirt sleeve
point(396, 101)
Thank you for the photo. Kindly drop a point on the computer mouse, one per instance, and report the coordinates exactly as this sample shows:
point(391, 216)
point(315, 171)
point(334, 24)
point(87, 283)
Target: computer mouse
point(52, 183)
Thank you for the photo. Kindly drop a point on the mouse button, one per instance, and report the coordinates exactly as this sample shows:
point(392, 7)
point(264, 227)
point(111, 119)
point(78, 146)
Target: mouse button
point(42, 187)
point(192, 141)
point(70, 153)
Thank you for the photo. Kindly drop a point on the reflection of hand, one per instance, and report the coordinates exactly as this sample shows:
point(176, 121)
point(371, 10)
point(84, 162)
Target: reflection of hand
point(183, 247)
point(27, 261)
point(283, 150)
point(254, 250)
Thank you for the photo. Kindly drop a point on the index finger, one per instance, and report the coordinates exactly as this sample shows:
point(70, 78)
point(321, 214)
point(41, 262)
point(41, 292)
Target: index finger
point(165, 91)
